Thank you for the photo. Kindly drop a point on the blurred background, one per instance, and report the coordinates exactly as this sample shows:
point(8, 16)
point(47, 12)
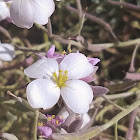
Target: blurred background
point(104, 22)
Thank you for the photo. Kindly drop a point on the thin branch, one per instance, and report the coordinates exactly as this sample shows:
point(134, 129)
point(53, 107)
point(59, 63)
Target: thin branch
point(116, 131)
point(79, 6)
point(35, 124)
point(119, 107)
point(116, 96)
point(132, 67)
point(95, 19)
point(49, 28)
point(129, 134)
point(24, 49)
point(100, 47)
point(5, 32)
point(59, 38)
point(124, 5)
point(89, 46)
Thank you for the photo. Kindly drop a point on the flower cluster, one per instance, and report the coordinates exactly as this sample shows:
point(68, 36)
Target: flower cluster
point(44, 130)
point(66, 78)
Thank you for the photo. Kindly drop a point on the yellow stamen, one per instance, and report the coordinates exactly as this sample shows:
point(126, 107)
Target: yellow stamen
point(49, 118)
point(57, 121)
point(64, 52)
point(40, 124)
point(53, 116)
point(61, 79)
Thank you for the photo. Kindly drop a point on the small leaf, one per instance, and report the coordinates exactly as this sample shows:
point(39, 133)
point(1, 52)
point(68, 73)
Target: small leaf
point(99, 90)
point(118, 87)
point(10, 116)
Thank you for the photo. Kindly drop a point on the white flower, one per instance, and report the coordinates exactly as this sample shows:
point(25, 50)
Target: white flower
point(25, 12)
point(60, 79)
point(4, 11)
point(6, 52)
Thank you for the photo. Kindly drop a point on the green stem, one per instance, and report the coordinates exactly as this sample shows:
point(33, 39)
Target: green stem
point(100, 47)
point(94, 131)
point(118, 96)
point(35, 125)
point(116, 131)
point(113, 103)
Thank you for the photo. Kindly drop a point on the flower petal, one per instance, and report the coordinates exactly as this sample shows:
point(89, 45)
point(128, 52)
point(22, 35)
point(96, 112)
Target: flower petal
point(6, 52)
point(43, 9)
point(77, 95)
point(77, 66)
point(93, 61)
point(4, 11)
point(42, 93)
point(88, 79)
point(86, 119)
point(45, 131)
point(22, 13)
point(43, 68)
point(50, 52)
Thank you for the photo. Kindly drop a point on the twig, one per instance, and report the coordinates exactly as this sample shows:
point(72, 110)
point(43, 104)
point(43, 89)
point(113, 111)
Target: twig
point(100, 47)
point(13, 66)
point(117, 96)
point(125, 5)
point(49, 28)
point(78, 2)
point(132, 67)
point(112, 103)
point(9, 87)
point(5, 32)
point(116, 131)
point(24, 49)
point(11, 94)
point(95, 19)
point(90, 47)
point(129, 134)
point(59, 38)
point(35, 124)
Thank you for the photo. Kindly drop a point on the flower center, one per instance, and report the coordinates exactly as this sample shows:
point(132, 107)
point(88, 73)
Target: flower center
point(61, 79)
